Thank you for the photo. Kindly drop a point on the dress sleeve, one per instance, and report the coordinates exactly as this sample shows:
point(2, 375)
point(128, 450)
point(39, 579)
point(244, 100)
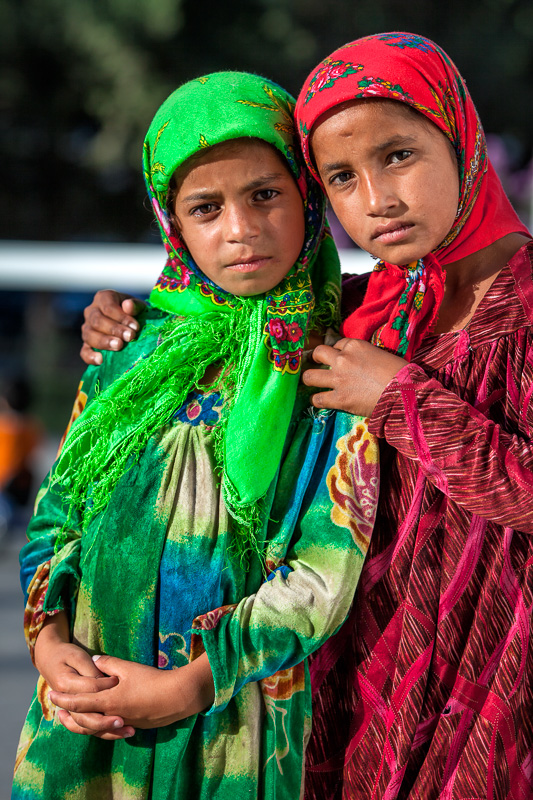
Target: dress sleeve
point(49, 580)
point(467, 456)
point(328, 519)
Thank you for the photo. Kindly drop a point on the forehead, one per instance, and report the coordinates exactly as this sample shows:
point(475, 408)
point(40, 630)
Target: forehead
point(254, 153)
point(385, 112)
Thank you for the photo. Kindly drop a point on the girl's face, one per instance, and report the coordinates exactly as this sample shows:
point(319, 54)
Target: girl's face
point(240, 213)
point(391, 178)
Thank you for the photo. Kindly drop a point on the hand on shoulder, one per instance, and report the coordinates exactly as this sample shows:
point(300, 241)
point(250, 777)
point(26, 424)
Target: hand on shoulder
point(109, 323)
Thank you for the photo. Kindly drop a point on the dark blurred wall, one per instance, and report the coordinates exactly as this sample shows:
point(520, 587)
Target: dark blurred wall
point(80, 80)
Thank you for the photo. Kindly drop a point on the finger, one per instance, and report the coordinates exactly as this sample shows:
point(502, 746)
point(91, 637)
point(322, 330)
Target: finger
point(324, 354)
point(100, 341)
point(120, 733)
point(133, 306)
point(79, 703)
point(98, 723)
point(109, 304)
point(90, 356)
point(109, 665)
point(325, 400)
point(321, 378)
point(97, 321)
point(122, 308)
point(70, 683)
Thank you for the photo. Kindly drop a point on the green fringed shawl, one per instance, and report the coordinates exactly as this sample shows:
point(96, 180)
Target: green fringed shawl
point(257, 341)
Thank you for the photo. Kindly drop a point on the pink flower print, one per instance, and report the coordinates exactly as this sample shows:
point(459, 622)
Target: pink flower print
point(294, 332)
point(162, 660)
point(328, 73)
point(193, 409)
point(277, 330)
point(185, 278)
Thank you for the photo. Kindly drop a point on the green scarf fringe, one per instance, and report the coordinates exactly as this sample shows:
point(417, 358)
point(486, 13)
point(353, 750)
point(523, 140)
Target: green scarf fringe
point(110, 435)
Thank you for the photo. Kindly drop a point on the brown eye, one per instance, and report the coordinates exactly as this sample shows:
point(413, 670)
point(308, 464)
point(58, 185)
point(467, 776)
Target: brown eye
point(340, 178)
point(266, 194)
point(399, 156)
point(203, 210)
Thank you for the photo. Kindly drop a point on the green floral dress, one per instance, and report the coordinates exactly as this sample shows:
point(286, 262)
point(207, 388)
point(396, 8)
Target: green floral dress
point(153, 580)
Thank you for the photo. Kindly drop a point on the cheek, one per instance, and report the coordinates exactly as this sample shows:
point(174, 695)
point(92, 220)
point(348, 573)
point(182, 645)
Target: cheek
point(348, 213)
point(290, 224)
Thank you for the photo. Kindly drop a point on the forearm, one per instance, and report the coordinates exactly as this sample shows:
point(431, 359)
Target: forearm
point(465, 454)
point(54, 631)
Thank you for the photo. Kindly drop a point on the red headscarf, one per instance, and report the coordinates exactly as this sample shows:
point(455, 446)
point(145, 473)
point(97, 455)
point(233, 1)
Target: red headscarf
point(402, 303)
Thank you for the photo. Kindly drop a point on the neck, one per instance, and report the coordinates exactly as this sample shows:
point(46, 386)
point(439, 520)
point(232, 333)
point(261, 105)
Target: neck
point(483, 264)
point(469, 279)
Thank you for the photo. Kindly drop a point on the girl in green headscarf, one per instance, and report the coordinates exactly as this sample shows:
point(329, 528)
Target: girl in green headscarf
point(202, 531)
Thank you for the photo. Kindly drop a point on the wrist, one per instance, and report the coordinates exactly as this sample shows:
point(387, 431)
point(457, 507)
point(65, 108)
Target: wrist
point(194, 686)
point(55, 631)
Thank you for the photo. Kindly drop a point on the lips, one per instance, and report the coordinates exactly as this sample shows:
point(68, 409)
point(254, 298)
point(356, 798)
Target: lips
point(249, 264)
point(392, 232)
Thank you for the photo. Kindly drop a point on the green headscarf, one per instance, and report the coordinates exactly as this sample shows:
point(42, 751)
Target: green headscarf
point(257, 341)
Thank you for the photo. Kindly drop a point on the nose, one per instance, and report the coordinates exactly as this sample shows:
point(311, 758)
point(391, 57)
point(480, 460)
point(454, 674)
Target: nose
point(241, 222)
point(379, 195)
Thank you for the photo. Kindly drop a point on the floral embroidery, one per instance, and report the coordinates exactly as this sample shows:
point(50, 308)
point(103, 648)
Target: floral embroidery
point(285, 108)
point(206, 622)
point(281, 687)
point(404, 40)
point(284, 684)
point(289, 307)
point(411, 300)
point(355, 467)
point(201, 409)
point(172, 651)
point(379, 87)
point(328, 73)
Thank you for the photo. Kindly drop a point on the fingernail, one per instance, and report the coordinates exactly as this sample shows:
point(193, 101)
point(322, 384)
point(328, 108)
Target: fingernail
point(95, 658)
point(127, 336)
point(98, 358)
point(129, 734)
point(134, 326)
point(117, 724)
point(114, 344)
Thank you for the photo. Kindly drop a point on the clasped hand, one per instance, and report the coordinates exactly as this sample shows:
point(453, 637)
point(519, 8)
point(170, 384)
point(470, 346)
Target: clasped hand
point(141, 697)
point(110, 697)
point(357, 376)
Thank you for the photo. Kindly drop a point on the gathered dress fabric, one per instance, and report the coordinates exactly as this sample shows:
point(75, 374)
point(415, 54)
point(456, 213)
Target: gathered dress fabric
point(427, 691)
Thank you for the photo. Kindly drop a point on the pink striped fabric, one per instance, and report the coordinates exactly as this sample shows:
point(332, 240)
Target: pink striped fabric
point(427, 690)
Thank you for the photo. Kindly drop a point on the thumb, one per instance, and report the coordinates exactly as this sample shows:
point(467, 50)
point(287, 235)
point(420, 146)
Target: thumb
point(133, 306)
point(109, 665)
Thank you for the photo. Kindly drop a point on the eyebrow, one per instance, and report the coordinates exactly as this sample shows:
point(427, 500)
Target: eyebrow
point(207, 194)
point(394, 141)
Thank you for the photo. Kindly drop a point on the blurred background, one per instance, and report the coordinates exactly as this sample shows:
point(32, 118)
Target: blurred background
point(79, 83)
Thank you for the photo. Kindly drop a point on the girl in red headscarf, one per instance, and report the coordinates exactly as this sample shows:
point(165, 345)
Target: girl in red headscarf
point(427, 691)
